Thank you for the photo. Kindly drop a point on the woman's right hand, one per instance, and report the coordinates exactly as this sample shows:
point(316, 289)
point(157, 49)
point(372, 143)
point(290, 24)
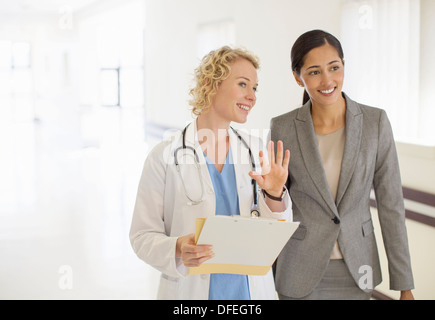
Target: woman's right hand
point(192, 255)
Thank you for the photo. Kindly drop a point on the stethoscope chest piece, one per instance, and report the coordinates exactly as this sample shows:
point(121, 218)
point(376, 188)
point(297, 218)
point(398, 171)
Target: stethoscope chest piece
point(255, 213)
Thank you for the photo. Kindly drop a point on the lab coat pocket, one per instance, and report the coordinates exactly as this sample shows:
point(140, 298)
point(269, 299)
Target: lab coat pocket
point(168, 289)
point(191, 212)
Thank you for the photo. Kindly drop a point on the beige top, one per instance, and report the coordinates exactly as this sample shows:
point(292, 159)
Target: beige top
point(331, 147)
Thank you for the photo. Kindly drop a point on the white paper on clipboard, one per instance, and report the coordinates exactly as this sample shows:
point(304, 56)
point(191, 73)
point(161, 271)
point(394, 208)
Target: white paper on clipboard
point(243, 241)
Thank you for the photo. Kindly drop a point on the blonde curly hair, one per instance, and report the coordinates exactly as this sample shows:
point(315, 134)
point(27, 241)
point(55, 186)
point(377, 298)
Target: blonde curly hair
point(213, 69)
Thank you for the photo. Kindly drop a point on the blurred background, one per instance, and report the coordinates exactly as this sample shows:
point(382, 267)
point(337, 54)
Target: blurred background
point(88, 87)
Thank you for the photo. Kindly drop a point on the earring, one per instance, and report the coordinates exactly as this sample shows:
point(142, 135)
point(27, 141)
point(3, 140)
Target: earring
point(300, 84)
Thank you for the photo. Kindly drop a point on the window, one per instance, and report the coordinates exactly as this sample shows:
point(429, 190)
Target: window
point(16, 80)
point(120, 57)
point(381, 43)
point(20, 55)
point(5, 55)
point(111, 73)
point(109, 86)
point(214, 35)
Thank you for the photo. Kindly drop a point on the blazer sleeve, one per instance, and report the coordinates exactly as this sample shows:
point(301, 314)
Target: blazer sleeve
point(148, 235)
point(389, 198)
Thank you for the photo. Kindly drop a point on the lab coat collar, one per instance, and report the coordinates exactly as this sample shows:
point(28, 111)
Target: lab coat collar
point(191, 139)
point(240, 152)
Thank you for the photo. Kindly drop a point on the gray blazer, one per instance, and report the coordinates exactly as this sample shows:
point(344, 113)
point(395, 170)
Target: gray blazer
point(369, 160)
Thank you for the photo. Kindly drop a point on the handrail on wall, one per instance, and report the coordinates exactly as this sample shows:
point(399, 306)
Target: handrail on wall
point(427, 199)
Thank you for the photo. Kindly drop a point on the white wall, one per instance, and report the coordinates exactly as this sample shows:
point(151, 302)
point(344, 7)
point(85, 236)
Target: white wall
point(417, 166)
point(427, 64)
point(268, 28)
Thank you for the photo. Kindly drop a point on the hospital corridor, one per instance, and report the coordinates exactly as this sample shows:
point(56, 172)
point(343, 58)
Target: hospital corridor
point(89, 87)
point(70, 170)
point(66, 212)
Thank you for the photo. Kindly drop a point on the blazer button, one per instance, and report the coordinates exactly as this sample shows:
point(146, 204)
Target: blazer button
point(336, 220)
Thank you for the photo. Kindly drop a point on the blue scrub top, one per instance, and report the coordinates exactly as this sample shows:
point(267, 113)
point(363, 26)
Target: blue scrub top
point(226, 286)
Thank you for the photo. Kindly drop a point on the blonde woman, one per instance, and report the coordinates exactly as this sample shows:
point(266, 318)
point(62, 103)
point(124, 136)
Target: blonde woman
point(204, 170)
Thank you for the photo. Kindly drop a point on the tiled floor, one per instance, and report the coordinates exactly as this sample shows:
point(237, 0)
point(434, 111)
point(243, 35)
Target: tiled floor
point(65, 212)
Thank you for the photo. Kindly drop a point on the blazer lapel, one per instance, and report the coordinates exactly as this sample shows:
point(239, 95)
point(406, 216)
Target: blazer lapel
point(354, 121)
point(311, 156)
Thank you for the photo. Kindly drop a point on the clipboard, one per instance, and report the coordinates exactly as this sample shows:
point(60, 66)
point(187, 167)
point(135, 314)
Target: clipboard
point(242, 245)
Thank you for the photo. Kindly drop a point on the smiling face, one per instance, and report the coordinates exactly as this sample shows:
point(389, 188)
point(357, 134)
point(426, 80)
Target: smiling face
point(235, 96)
point(322, 75)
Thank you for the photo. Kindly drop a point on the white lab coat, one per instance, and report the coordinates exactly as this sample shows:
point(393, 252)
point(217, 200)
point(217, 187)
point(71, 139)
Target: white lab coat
point(162, 212)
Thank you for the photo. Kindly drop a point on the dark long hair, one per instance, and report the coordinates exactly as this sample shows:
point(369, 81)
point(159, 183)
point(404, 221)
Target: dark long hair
point(307, 42)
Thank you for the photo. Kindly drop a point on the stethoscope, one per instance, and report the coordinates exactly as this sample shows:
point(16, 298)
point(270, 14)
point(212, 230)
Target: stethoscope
point(255, 210)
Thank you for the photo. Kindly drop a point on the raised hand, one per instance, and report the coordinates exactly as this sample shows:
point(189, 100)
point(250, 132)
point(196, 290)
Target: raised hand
point(273, 174)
